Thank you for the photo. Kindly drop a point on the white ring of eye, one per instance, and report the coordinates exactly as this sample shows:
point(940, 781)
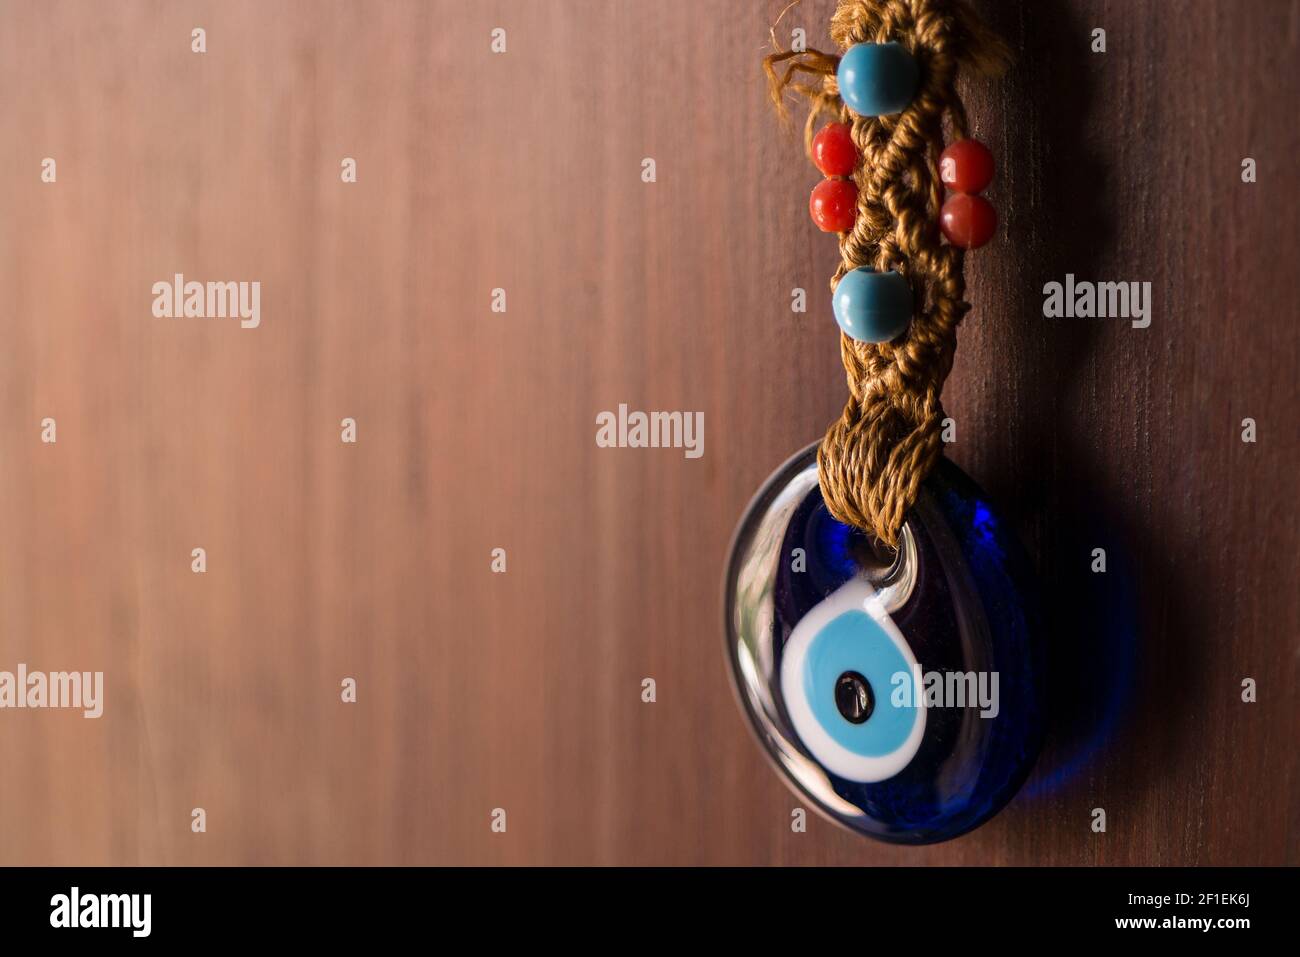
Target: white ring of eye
point(856, 595)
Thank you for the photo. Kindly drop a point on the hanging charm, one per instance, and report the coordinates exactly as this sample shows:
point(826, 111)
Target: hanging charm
point(881, 620)
point(836, 648)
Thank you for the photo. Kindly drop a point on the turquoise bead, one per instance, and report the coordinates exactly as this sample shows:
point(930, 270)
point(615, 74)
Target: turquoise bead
point(873, 306)
point(877, 79)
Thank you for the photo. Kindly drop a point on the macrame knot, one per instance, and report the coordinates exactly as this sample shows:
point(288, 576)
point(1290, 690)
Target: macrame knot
point(876, 455)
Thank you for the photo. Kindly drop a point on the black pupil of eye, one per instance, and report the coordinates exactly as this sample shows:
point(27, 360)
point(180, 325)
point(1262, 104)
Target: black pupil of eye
point(853, 697)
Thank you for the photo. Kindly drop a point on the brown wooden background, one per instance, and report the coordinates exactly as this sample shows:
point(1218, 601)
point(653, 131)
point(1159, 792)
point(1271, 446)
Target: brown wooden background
point(476, 430)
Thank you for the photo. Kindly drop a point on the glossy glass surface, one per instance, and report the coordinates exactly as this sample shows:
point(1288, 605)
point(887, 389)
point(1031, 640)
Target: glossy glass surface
point(902, 696)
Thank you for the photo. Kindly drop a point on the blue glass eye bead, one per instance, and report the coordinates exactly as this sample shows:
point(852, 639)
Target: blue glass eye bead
point(872, 306)
point(877, 79)
point(903, 695)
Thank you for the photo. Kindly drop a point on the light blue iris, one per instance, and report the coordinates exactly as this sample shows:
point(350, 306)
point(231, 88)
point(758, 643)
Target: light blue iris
point(854, 642)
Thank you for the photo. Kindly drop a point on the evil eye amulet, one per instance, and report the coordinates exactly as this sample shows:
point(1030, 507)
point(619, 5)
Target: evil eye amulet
point(872, 306)
point(901, 695)
point(877, 79)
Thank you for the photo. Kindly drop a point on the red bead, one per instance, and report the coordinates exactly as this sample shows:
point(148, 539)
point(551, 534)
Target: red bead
point(968, 221)
point(834, 205)
point(833, 151)
point(966, 166)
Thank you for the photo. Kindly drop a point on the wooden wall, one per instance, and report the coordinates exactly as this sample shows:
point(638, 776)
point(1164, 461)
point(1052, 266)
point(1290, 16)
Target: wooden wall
point(476, 429)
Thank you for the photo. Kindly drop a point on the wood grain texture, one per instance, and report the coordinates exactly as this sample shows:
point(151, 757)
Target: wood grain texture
point(476, 430)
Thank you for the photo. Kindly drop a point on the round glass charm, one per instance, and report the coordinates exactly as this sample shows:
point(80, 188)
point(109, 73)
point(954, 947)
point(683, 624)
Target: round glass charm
point(901, 694)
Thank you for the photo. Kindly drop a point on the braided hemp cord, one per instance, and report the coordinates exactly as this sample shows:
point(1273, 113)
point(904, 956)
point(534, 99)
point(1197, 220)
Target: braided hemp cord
point(876, 455)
